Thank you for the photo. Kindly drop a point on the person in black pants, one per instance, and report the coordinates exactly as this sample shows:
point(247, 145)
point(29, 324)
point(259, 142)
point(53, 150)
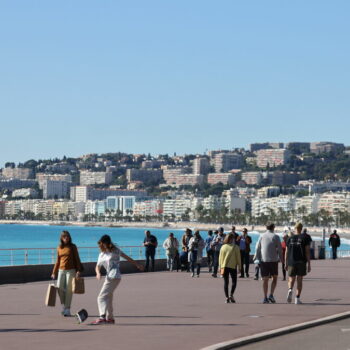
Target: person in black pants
point(229, 260)
point(334, 242)
point(216, 244)
point(150, 243)
point(244, 243)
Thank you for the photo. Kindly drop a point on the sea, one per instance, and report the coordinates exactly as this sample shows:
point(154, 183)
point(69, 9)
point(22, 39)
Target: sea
point(36, 244)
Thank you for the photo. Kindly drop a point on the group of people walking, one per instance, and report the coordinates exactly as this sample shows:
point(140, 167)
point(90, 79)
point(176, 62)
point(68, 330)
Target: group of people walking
point(227, 254)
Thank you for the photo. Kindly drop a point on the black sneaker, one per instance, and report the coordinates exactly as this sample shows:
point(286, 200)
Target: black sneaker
point(266, 301)
point(272, 299)
point(232, 299)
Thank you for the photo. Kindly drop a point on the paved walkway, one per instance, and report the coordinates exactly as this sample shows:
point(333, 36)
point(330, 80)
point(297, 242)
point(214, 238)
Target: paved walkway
point(333, 336)
point(168, 311)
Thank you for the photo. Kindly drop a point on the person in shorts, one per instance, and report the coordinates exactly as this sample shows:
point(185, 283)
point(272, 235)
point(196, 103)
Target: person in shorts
point(269, 253)
point(297, 261)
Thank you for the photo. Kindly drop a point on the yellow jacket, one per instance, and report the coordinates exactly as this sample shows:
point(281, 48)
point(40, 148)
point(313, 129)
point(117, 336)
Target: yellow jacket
point(230, 256)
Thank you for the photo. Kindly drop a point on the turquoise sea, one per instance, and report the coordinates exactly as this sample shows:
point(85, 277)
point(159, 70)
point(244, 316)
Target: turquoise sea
point(30, 237)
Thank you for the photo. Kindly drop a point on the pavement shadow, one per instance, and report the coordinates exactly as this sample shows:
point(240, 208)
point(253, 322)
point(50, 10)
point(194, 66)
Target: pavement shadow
point(31, 330)
point(180, 324)
point(20, 314)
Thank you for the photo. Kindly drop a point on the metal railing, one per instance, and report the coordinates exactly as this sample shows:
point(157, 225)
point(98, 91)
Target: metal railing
point(38, 256)
point(340, 254)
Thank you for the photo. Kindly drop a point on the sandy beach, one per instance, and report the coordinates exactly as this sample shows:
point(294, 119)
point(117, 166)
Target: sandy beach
point(314, 231)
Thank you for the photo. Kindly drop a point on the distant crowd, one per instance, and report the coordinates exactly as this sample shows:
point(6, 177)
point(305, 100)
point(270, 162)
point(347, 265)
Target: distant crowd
point(228, 255)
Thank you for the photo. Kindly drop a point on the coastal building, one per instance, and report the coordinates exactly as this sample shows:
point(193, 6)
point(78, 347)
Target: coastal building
point(149, 208)
point(42, 177)
point(268, 191)
point(122, 204)
point(95, 178)
point(272, 157)
point(224, 162)
point(146, 176)
point(187, 179)
point(201, 166)
point(225, 178)
point(298, 147)
point(13, 184)
point(81, 193)
point(176, 208)
point(17, 173)
point(334, 203)
point(307, 205)
point(252, 177)
point(170, 173)
point(326, 147)
point(56, 189)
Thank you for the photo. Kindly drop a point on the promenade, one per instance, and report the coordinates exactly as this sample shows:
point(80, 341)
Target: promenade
point(164, 310)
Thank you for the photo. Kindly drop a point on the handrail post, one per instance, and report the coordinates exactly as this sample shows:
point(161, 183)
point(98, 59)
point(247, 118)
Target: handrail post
point(26, 257)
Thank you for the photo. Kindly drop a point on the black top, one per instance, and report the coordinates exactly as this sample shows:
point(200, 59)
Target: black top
point(334, 240)
point(151, 239)
point(296, 249)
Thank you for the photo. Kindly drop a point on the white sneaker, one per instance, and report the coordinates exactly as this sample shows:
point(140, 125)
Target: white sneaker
point(289, 296)
point(297, 301)
point(192, 274)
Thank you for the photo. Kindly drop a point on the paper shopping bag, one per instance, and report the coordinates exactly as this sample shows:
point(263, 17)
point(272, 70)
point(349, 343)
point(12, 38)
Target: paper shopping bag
point(78, 285)
point(50, 299)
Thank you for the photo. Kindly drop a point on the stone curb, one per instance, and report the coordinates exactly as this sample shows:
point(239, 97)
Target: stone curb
point(232, 344)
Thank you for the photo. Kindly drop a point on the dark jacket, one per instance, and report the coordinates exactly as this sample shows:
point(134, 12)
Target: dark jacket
point(334, 240)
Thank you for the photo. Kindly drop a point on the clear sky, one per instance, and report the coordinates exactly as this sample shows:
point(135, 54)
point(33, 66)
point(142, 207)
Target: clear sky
point(181, 76)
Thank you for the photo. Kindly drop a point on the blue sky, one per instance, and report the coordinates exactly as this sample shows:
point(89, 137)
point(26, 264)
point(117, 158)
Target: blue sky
point(139, 76)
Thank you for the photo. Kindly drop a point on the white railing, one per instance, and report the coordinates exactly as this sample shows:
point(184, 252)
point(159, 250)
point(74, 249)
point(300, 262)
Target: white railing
point(340, 254)
point(38, 256)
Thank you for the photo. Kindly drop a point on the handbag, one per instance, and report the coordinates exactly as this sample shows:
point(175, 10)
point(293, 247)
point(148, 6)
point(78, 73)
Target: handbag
point(50, 299)
point(78, 285)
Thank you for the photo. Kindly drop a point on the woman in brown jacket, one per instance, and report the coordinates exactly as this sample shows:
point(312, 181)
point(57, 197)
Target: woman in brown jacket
point(67, 267)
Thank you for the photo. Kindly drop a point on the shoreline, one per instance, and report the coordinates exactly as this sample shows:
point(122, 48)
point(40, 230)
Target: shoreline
point(314, 231)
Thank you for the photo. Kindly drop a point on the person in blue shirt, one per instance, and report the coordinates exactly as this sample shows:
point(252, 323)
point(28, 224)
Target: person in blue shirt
point(209, 250)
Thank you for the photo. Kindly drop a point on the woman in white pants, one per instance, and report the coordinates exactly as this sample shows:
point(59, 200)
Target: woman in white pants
point(109, 258)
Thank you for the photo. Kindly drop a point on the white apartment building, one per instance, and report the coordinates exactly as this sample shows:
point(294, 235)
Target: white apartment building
point(334, 202)
point(176, 207)
point(201, 166)
point(272, 157)
point(268, 191)
point(17, 173)
point(225, 178)
point(148, 208)
point(42, 177)
point(95, 178)
point(81, 193)
point(310, 203)
point(55, 189)
point(170, 173)
point(263, 205)
point(224, 162)
point(252, 177)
